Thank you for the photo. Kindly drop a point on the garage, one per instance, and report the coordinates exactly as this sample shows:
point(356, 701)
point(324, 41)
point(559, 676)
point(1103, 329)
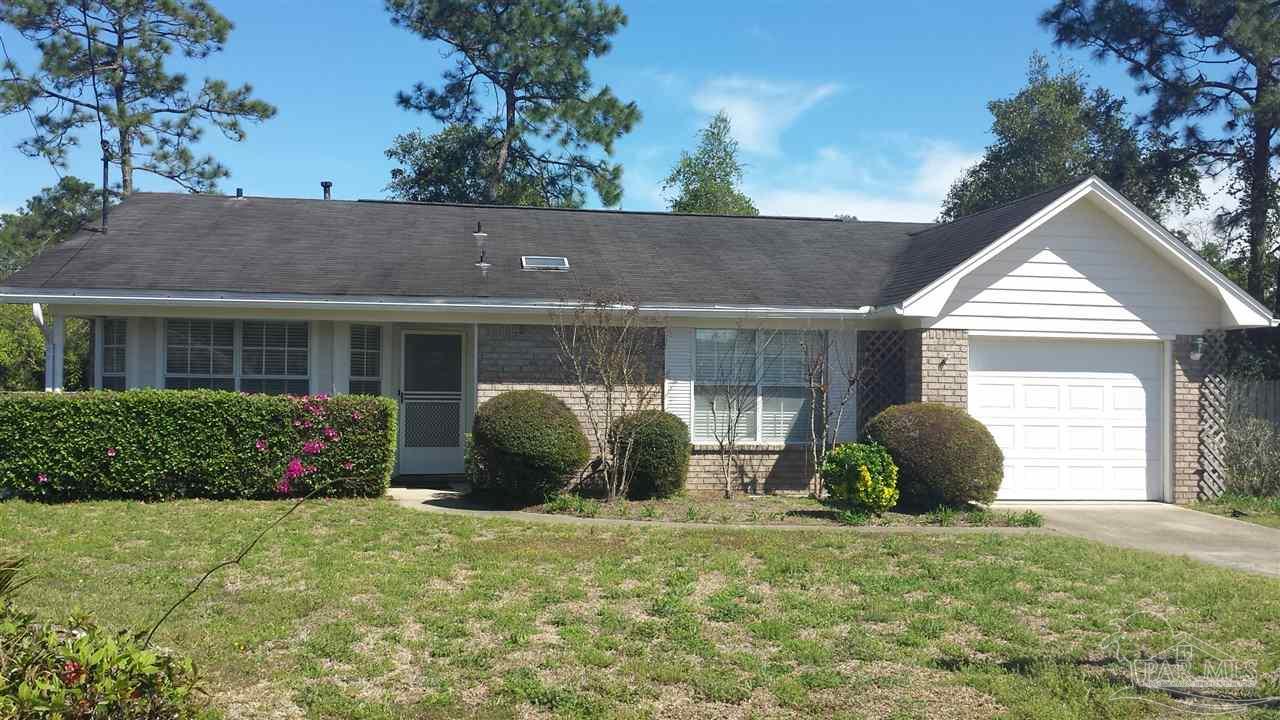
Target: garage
point(1076, 419)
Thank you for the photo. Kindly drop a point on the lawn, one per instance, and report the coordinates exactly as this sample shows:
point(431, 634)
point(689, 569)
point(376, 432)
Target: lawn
point(774, 510)
point(363, 609)
point(1259, 510)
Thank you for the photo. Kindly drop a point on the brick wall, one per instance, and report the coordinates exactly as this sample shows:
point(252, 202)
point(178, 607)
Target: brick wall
point(527, 357)
point(1187, 375)
point(760, 469)
point(937, 367)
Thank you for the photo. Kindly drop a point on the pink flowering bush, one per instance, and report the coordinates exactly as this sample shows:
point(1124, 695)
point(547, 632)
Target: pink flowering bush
point(153, 444)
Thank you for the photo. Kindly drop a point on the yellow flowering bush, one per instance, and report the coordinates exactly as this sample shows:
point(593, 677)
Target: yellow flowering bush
point(861, 476)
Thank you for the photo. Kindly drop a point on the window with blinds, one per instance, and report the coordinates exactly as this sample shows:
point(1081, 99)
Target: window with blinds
point(274, 357)
point(256, 356)
point(200, 354)
point(366, 360)
point(115, 342)
point(754, 384)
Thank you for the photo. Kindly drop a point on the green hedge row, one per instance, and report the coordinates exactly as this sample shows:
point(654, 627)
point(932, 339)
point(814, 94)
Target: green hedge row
point(156, 444)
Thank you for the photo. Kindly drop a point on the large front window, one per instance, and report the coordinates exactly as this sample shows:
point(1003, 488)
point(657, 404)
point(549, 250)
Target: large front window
point(754, 385)
point(251, 355)
point(115, 343)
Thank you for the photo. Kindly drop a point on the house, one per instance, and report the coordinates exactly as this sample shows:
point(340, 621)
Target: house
point(1068, 322)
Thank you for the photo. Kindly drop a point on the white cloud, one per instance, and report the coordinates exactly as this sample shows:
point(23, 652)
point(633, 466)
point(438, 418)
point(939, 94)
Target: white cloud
point(759, 110)
point(872, 186)
point(940, 164)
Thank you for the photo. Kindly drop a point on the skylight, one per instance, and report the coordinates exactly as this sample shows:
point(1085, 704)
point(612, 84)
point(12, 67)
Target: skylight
point(544, 262)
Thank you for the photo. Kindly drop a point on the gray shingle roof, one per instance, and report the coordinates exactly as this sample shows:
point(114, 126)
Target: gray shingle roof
point(174, 242)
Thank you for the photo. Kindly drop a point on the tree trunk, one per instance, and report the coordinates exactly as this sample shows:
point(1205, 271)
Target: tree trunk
point(504, 148)
point(1260, 182)
point(125, 150)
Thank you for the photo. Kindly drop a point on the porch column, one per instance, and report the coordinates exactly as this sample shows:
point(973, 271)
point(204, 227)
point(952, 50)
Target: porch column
point(54, 336)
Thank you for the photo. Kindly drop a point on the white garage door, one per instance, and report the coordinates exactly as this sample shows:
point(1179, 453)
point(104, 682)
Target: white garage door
point(1076, 419)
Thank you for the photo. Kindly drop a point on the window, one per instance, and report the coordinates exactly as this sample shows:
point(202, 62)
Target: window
point(754, 384)
point(544, 262)
point(273, 357)
point(250, 356)
point(366, 360)
point(115, 340)
point(200, 354)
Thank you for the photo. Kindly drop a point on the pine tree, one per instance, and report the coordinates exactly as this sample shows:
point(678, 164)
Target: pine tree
point(1207, 63)
point(529, 57)
point(707, 181)
point(103, 66)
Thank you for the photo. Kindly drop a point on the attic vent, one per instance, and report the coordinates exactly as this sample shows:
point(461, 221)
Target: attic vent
point(543, 262)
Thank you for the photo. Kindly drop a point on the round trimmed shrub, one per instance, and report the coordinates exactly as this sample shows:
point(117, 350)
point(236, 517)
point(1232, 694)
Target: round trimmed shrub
point(944, 455)
point(658, 459)
point(861, 477)
point(528, 445)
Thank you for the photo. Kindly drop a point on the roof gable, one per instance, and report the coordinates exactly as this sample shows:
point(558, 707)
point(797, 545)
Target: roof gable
point(1240, 309)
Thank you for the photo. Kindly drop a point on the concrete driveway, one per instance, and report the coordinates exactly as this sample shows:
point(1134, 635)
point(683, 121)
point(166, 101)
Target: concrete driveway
point(1167, 529)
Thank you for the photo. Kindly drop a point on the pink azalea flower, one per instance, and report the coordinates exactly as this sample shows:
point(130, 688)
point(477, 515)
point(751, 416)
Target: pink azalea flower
point(321, 397)
point(355, 415)
point(306, 423)
point(331, 434)
point(309, 469)
point(261, 444)
point(41, 478)
point(297, 423)
point(313, 447)
point(294, 470)
point(282, 487)
point(112, 452)
point(348, 465)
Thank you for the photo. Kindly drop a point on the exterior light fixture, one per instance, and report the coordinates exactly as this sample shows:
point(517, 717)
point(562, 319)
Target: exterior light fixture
point(479, 234)
point(1197, 348)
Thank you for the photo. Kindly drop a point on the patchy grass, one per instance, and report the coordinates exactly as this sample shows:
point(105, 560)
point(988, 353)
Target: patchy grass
point(363, 609)
point(765, 510)
point(1258, 510)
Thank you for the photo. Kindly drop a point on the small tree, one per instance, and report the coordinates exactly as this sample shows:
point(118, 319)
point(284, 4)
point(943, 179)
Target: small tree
point(707, 181)
point(606, 347)
point(726, 375)
point(828, 356)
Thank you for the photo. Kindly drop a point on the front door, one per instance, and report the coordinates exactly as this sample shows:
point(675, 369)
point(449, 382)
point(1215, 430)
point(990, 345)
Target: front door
point(431, 404)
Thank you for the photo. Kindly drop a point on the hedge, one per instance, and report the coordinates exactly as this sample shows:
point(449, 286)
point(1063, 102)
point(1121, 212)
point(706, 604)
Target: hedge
point(158, 444)
point(526, 445)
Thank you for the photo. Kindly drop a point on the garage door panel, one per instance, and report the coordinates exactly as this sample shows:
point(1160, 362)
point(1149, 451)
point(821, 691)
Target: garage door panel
point(1075, 419)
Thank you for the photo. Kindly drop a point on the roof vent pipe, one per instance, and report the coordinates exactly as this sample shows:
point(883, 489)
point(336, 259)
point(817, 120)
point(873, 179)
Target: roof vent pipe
point(327, 185)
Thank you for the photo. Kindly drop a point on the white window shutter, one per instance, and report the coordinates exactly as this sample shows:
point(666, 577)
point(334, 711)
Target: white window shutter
point(677, 391)
point(842, 364)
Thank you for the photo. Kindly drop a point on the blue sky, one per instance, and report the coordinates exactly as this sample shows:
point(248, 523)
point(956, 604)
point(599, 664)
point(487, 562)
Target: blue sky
point(840, 107)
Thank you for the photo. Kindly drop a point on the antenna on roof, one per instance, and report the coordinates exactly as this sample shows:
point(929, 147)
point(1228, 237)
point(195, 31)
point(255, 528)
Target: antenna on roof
point(480, 235)
point(106, 194)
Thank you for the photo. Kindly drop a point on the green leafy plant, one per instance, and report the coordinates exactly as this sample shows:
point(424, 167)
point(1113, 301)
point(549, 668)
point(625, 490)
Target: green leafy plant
point(855, 518)
point(657, 454)
point(571, 504)
point(944, 455)
point(1026, 518)
point(79, 670)
point(861, 477)
point(529, 445)
point(158, 444)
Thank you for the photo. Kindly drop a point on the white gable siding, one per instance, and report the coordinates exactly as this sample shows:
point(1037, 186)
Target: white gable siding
point(1081, 272)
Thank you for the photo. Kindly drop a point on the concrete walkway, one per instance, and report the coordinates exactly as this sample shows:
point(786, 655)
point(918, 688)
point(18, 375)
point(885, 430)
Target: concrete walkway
point(1166, 529)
